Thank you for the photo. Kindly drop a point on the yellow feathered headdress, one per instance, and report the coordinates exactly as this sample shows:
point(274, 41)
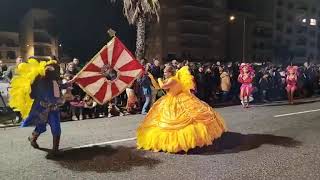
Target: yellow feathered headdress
point(20, 88)
point(185, 78)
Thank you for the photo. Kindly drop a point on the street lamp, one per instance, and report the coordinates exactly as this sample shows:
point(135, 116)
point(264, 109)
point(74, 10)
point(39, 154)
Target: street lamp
point(233, 18)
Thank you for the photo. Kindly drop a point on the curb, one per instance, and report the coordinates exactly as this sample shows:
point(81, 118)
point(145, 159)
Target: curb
point(3, 126)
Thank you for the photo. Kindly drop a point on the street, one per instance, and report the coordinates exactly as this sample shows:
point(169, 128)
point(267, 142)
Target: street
point(274, 141)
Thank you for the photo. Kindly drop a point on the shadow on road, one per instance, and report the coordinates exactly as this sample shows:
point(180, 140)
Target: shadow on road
point(232, 142)
point(102, 159)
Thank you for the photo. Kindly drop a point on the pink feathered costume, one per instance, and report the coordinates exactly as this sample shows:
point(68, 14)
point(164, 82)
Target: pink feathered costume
point(246, 82)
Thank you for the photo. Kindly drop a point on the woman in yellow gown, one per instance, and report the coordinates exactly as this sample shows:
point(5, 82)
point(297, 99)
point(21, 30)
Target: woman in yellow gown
point(179, 121)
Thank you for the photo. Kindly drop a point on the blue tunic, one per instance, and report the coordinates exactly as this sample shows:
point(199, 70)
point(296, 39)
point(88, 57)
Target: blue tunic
point(43, 94)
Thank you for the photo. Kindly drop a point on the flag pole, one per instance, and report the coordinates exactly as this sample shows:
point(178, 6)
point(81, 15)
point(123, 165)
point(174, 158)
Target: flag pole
point(111, 32)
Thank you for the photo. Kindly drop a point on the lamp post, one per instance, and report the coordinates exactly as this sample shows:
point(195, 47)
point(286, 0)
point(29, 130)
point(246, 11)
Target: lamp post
point(233, 18)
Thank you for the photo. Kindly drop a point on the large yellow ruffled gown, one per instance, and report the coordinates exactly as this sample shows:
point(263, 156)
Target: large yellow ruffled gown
point(179, 121)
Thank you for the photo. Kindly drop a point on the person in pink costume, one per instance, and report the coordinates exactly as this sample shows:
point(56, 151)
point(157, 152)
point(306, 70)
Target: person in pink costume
point(245, 78)
point(291, 80)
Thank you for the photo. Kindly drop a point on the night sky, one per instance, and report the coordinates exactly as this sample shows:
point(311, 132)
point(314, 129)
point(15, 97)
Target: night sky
point(81, 24)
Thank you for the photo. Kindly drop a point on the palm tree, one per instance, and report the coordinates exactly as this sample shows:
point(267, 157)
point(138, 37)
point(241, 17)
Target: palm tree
point(137, 13)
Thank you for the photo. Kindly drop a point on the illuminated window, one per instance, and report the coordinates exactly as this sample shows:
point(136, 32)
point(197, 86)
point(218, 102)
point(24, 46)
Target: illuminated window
point(313, 22)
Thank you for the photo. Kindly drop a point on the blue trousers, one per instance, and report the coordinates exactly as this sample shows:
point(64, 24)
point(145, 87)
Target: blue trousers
point(146, 104)
point(54, 123)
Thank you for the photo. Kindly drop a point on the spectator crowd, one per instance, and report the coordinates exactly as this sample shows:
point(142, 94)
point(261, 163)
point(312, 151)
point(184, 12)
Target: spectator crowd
point(216, 83)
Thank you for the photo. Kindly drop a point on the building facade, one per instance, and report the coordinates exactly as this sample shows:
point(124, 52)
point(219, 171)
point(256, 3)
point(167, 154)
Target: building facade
point(296, 29)
point(282, 31)
point(9, 47)
point(35, 38)
point(188, 29)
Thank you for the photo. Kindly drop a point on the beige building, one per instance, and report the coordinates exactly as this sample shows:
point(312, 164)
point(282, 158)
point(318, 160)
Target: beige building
point(9, 47)
point(35, 39)
point(188, 29)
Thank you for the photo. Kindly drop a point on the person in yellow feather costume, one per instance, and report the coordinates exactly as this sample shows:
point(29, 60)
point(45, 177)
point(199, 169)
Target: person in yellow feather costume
point(35, 93)
point(179, 121)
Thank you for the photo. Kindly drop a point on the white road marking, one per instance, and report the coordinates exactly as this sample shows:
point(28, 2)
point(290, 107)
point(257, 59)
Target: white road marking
point(105, 143)
point(295, 113)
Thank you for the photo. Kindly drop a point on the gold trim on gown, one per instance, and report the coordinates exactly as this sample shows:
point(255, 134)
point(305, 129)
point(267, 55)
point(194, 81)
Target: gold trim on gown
point(179, 121)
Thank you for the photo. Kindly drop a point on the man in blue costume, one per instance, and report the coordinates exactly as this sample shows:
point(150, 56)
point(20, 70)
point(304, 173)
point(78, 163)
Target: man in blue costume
point(45, 109)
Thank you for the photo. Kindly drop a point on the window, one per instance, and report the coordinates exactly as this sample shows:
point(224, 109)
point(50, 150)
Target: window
point(41, 37)
point(301, 29)
point(300, 52)
point(261, 45)
point(279, 14)
point(217, 29)
point(289, 30)
point(172, 39)
point(279, 39)
point(313, 44)
point(290, 18)
point(42, 50)
point(11, 55)
point(302, 41)
point(288, 42)
point(290, 5)
point(313, 22)
point(279, 27)
point(312, 33)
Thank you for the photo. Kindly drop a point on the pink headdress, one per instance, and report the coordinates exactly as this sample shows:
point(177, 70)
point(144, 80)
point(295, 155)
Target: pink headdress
point(247, 65)
point(292, 69)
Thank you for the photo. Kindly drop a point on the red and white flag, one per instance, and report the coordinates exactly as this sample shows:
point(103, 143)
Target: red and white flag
point(109, 72)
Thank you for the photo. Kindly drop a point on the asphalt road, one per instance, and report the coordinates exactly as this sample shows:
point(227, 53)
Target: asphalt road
point(257, 146)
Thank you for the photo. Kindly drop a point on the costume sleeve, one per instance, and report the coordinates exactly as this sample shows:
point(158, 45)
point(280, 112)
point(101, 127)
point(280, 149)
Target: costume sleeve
point(153, 81)
point(240, 80)
point(185, 78)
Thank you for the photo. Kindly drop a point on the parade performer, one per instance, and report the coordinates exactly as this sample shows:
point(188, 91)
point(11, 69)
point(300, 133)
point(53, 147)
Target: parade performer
point(35, 94)
point(246, 78)
point(291, 80)
point(179, 121)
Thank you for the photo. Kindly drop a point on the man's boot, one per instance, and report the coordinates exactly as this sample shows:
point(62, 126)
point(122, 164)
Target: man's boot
point(55, 145)
point(33, 140)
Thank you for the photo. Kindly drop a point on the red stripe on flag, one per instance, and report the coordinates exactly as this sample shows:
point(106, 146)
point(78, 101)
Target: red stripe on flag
point(92, 68)
point(101, 93)
point(84, 82)
point(114, 89)
point(132, 65)
point(117, 50)
point(104, 55)
point(126, 79)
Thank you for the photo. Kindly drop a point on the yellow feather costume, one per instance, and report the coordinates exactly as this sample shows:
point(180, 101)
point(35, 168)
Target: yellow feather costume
point(20, 87)
point(179, 121)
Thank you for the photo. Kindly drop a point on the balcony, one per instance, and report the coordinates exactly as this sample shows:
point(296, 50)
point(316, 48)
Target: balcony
point(42, 50)
point(263, 33)
point(41, 37)
point(198, 4)
point(197, 14)
point(193, 29)
point(195, 41)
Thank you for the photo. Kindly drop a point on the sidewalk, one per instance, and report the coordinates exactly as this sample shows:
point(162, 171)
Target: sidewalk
point(6, 121)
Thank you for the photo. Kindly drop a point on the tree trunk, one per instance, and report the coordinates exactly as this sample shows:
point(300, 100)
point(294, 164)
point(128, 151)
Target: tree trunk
point(140, 43)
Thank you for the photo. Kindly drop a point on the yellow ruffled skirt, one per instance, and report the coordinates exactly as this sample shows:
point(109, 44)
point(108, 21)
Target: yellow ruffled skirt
point(179, 123)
